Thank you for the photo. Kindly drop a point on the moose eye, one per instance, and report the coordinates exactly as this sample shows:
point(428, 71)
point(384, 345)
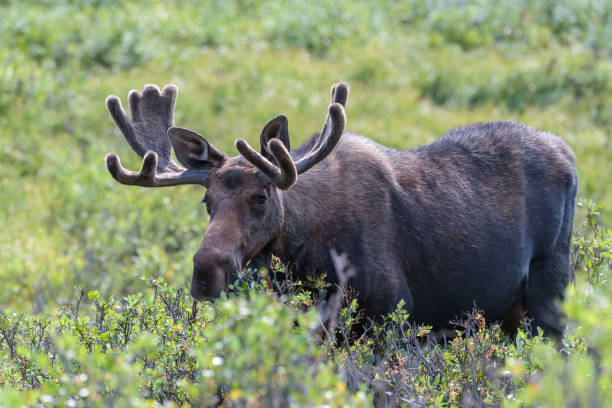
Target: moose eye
point(259, 199)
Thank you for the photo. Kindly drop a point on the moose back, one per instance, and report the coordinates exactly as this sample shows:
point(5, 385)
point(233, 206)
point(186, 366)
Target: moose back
point(481, 217)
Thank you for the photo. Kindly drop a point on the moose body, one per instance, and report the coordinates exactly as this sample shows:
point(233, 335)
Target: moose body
point(481, 217)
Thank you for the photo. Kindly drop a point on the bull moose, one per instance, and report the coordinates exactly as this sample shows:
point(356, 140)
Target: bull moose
point(482, 216)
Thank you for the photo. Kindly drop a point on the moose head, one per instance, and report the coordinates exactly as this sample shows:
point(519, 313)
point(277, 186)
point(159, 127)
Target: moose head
point(244, 193)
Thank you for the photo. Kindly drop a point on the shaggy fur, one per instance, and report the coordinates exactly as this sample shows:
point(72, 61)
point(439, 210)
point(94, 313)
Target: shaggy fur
point(481, 217)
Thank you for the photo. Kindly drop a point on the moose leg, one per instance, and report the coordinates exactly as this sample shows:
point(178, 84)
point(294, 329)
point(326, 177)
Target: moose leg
point(548, 277)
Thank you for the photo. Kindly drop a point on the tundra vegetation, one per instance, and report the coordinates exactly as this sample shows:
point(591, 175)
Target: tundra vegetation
point(95, 309)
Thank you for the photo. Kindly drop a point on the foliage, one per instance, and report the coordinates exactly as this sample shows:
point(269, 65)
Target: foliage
point(592, 252)
point(258, 347)
point(252, 349)
point(416, 69)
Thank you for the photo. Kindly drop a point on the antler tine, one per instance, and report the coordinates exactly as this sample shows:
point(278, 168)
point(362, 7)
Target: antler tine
point(146, 132)
point(340, 93)
point(284, 175)
point(147, 176)
point(329, 137)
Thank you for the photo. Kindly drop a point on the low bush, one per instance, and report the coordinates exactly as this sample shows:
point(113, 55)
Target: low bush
point(259, 347)
point(417, 68)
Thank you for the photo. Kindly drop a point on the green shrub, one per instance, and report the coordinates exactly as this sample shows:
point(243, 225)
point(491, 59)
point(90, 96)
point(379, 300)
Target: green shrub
point(416, 68)
point(258, 348)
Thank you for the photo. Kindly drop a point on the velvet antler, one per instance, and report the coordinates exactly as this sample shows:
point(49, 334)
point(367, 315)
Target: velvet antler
point(147, 133)
point(284, 172)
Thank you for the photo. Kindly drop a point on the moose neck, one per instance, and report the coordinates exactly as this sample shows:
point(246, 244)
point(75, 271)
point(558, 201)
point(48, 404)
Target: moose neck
point(344, 203)
point(309, 212)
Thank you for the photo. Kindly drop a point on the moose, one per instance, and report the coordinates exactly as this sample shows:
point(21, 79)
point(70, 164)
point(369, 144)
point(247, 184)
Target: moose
point(480, 217)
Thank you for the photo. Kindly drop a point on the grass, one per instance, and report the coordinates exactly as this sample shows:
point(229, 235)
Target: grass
point(416, 69)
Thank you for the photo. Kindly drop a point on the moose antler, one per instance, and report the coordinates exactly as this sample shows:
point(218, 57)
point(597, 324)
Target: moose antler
point(285, 173)
point(331, 132)
point(147, 133)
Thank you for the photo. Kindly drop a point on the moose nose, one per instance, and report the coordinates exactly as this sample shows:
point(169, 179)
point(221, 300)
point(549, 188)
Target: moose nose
point(211, 271)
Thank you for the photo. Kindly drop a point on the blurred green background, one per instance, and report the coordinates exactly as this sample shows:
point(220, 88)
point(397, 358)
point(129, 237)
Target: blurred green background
point(416, 69)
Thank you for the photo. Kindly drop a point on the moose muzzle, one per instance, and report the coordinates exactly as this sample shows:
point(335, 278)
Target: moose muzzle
point(212, 270)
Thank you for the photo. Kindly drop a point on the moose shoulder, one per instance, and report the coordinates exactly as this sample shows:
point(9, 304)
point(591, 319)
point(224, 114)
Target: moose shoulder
point(482, 216)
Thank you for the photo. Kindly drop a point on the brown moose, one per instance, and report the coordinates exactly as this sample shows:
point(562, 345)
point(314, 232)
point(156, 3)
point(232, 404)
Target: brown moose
point(482, 216)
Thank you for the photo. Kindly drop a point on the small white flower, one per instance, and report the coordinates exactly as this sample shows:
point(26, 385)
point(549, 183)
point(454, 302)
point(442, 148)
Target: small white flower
point(46, 398)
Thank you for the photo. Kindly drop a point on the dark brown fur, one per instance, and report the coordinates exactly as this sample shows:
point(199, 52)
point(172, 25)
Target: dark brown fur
point(483, 216)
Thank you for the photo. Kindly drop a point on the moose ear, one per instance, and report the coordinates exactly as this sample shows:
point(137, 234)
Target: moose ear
point(192, 150)
point(276, 128)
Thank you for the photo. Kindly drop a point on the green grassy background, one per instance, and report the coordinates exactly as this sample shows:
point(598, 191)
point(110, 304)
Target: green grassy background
point(416, 69)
